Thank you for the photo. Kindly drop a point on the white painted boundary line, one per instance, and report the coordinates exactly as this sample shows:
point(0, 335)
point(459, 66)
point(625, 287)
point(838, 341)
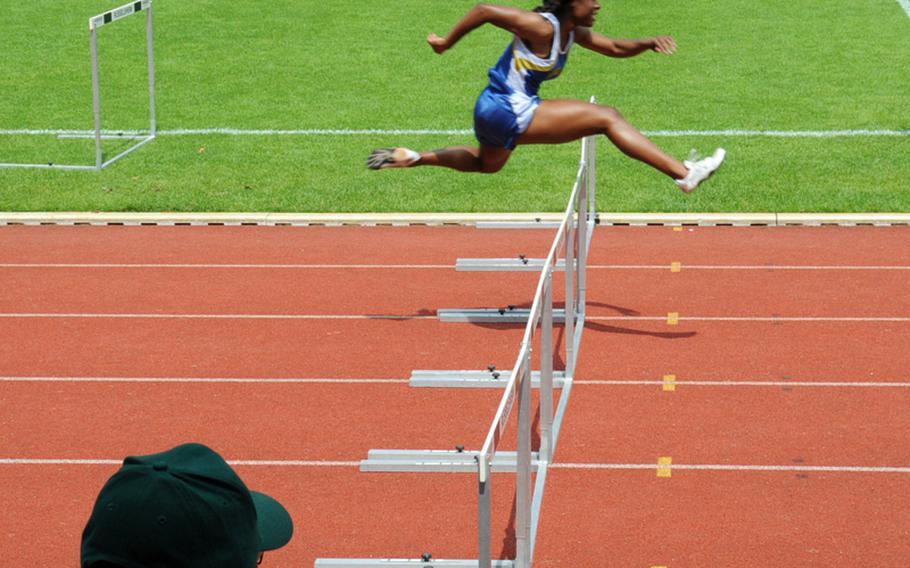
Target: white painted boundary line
point(663, 267)
point(905, 4)
point(777, 133)
point(721, 467)
point(292, 463)
point(343, 381)
point(244, 132)
point(576, 466)
point(219, 316)
point(399, 317)
point(212, 380)
point(681, 319)
point(734, 267)
point(236, 266)
point(845, 133)
point(815, 384)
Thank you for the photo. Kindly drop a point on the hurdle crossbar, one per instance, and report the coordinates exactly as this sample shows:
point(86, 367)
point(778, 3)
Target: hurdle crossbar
point(568, 254)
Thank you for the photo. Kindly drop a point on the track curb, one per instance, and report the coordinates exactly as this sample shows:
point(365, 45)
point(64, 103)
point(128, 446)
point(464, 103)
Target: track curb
point(437, 219)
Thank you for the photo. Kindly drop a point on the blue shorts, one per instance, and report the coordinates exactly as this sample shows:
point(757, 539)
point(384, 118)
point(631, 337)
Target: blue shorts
point(500, 118)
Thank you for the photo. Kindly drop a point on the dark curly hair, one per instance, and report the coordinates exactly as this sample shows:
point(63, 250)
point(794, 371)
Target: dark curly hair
point(557, 7)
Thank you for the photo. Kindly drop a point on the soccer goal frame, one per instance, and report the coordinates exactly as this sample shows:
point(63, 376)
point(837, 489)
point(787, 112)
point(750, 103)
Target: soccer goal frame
point(139, 140)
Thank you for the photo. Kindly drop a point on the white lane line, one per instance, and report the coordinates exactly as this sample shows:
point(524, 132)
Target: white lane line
point(217, 316)
point(197, 380)
point(342, 381)
point(742, 267)
point(795, 319)
point(833, 319)
point(775, 319)
point(73, 265)
point(905, 4)
point(816, 384)
point(227, 266)
point(723, 467)
point(843, 133)
point(30, 461)
point(293, 463)
point(557, 465)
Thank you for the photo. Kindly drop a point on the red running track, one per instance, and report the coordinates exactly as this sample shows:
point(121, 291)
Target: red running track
point(802, 420)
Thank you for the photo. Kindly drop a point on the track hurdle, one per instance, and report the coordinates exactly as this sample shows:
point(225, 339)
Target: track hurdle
point(94, 23)
point(570, 251)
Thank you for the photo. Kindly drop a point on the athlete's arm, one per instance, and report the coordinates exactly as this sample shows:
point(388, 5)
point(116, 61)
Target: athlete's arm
point(529, 26)
point(594, 41)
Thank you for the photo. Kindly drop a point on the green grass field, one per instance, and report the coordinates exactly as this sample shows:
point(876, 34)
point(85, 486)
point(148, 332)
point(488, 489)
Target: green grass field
point(812, 65)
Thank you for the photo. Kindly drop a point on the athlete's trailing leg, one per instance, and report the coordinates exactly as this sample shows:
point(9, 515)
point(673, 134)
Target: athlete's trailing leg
point(485, 159)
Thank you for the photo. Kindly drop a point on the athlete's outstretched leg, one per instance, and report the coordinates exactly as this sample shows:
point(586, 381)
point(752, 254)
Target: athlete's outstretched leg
point(559, 121)
point(486, 159)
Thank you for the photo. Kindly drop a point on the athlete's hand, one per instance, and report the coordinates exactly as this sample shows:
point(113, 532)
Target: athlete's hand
point(438, 44)
point(664, 44)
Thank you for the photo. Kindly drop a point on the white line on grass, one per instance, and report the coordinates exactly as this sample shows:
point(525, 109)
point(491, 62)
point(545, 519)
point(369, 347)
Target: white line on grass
point(846, 133)
point(778, 133)
point(579, 466)
point(239, 132)
point(905, 4)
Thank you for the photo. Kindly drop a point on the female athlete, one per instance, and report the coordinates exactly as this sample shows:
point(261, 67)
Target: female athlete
point(509, 112)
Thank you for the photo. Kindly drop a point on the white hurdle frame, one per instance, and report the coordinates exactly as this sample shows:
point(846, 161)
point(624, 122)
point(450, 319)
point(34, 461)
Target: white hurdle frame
point(573, 240)
point(572, 236)
point(94, 23)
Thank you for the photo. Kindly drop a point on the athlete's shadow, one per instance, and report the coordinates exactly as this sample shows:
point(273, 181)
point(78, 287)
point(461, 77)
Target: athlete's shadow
point(594, 325)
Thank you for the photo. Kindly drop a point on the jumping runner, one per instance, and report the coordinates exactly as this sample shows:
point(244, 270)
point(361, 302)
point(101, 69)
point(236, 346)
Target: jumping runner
point(509, 113)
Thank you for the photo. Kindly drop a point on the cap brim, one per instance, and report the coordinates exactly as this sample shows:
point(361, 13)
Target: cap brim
point(275, 525)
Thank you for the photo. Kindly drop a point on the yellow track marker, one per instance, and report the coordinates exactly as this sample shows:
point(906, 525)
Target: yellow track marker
point(669, 383)
point(663, 467)
point(673, 318)
point(675, 266)
point(677, 229)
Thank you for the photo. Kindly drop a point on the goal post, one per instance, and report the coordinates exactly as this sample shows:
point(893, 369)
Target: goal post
point(94, 23)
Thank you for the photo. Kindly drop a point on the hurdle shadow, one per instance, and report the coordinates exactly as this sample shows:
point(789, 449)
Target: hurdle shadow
point(509, 544)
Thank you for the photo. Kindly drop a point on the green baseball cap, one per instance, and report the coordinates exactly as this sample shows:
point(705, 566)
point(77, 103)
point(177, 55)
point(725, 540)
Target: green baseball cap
point(183, 508)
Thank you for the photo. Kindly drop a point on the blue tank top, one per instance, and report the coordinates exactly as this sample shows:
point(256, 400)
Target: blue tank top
point(520, 71)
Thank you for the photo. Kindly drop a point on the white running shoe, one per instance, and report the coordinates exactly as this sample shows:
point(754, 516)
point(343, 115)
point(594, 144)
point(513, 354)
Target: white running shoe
point(700, 170)
point(392, 158)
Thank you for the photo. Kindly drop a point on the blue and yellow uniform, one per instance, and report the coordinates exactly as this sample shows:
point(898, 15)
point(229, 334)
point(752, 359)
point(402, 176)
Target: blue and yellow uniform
point(505, 108)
